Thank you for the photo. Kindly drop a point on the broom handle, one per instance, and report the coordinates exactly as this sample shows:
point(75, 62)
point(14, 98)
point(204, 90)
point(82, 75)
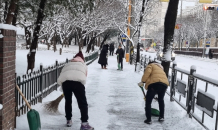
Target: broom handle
point(23, 97)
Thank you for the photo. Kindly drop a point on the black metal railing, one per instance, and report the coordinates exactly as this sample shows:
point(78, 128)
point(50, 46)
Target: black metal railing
point(37, 85)
point(183, 90)
point(192, 99)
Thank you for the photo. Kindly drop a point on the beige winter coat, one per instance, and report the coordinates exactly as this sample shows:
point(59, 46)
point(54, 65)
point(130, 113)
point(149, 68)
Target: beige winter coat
point(154, 73)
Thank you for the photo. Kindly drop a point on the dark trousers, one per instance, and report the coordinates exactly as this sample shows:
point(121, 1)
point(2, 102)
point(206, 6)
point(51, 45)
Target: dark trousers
point(103, 65)
point(121, 62)
point(153, 89)
point(79, 91)
point(111, 53)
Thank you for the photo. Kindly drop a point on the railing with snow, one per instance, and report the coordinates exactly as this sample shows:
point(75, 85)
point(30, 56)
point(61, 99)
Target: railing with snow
point(193, 99)
point(183, 91)
point(37, 85)
point(144, 60)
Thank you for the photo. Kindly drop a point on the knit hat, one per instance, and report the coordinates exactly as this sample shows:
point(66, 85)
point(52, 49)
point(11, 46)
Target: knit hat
point(80, 54)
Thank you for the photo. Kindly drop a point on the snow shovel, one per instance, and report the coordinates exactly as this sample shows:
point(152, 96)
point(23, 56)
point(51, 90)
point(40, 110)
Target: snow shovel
point(32, 115)
point(154, 112)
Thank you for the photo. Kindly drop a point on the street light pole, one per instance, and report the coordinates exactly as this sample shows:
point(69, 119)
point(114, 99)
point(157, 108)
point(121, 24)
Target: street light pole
point(180, 44)
point(205, 33)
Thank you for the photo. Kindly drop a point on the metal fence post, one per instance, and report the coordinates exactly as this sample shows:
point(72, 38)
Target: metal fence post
point(41, 83)
point(216, 117)
point(191, 90)
point(56, 74)
point(145, 62)
point(173, 77)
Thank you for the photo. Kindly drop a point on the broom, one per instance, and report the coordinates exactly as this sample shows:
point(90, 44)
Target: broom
point(52, 106)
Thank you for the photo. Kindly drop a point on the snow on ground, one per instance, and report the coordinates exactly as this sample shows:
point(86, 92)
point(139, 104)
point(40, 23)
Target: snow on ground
point(44, 57)
point(115, 103)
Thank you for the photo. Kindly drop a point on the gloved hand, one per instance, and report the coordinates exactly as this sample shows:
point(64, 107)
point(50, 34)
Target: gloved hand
point(140, 84)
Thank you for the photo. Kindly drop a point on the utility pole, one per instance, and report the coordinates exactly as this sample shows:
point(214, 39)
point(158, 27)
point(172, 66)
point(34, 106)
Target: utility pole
point(180, 44)
point(205, 33)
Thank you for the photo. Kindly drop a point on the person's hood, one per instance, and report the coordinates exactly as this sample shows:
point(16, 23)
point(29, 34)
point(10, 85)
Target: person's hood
point(77, 59)
point(158, 64)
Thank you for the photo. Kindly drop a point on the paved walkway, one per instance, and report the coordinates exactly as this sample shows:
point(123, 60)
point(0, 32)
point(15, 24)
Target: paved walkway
point(115, 103)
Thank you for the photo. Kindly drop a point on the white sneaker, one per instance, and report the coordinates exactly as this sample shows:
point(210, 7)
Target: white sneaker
point(69, 123)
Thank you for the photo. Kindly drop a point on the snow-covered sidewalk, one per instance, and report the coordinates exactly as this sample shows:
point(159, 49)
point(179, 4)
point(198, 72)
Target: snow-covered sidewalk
point(115, 103)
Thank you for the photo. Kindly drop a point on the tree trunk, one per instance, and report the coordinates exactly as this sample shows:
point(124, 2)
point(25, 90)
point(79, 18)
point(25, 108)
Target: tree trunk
point(90, 44)
point(6, 11)
point(98, 42)
point(11, 12)
point(216, 42)
point(105, 38)
point(38, 23)
point(169, 26)
point(14, 21)
point(28, 36)
point(84, 42)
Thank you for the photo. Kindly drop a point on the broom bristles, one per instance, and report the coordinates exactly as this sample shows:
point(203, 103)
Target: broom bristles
point(52, 106)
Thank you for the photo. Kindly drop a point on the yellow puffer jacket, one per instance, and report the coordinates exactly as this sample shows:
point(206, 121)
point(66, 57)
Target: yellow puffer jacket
point(154, 73)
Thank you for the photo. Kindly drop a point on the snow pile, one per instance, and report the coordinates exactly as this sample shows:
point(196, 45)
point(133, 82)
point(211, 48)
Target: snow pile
point(8, 27)
point(1, 106)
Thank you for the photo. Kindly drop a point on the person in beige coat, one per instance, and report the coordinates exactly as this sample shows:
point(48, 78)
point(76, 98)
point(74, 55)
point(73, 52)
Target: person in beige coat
point(156, 83)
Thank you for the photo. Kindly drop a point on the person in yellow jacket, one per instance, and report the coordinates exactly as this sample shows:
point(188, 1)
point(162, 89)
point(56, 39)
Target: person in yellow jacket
point(156, 83)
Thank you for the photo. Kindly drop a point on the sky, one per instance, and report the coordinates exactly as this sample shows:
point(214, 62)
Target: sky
point(184, 5)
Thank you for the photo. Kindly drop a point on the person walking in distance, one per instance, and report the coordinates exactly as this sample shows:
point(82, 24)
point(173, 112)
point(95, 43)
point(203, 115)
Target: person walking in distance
point(103, 57)
point(156, 83)
point(72, 79)
point(111, 49)
point(120, 53)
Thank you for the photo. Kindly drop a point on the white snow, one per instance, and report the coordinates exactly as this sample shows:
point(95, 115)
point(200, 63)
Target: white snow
point(8, 27)
point(193, 67)
point(115, 103)
point(167, 55)
point(1, 106)
point(174, 62)
point(20, 31)
point(182, 70)
point(1, 36)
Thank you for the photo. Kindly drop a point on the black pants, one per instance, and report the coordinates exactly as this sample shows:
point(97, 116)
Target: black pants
point(79, 91)
point(153, 89)
point(111, 53)
point(103, 65)
point(121, 62)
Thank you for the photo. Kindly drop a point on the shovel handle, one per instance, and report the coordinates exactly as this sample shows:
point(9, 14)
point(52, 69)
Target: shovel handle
point(23, 97)
point(143, 91)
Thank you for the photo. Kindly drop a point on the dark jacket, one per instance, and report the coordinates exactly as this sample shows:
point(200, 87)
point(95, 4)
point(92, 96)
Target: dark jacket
point(210, 54)
point(111, 47)
point(120, 52)
point(103, 56)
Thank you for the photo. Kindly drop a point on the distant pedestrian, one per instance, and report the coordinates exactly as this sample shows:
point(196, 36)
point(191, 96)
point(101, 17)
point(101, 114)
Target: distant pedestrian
point(156, 82)
point(111, 49)
point(73, 79)
point(210, 54)
point(103, 57)
point(120, 53)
